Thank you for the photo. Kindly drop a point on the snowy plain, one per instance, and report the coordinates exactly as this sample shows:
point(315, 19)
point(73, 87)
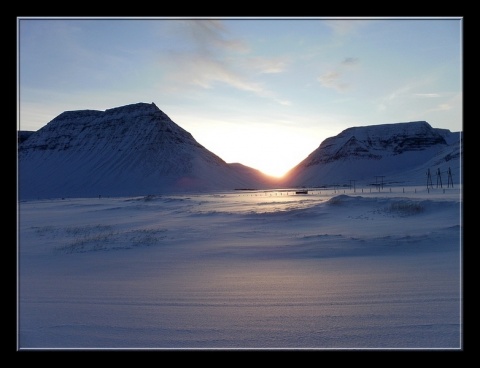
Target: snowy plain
point(336, 268)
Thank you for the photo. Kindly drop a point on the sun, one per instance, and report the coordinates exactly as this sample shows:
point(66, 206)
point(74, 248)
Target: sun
point(272, 151)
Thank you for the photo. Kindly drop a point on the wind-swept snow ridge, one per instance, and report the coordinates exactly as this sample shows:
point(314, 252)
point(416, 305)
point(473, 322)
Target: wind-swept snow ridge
point(130, 150)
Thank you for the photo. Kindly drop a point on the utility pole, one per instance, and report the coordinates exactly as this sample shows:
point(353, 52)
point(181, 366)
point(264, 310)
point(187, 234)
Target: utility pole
point(429, 179)
point(353, 185)
point(450, 179)
point(439, 178)
point(376, 181)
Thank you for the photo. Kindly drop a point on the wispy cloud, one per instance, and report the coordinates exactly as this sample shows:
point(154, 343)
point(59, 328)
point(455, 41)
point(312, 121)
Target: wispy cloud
point(453, 102)
point(210, 56)
point(284, 102)
point(332, 79)
point(344, 27)
point(204, 71)
point(414, 88)
point(335, 78)
point(444, 107)
point(408, 100)
point(211, 34)
point(267, 65)
point(350, 61)
point(398, 93)
point(427, 95)
point(395, 97)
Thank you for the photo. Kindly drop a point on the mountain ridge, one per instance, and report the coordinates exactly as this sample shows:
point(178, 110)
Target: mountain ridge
point(137, 149)
point(129, 150)
point(363, 152)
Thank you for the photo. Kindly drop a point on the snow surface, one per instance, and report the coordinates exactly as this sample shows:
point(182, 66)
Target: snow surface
point(333, 269)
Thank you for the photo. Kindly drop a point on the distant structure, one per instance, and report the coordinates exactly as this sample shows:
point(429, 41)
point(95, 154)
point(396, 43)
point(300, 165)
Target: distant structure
point(439, 178)
point(450, 179)
point(379, 185)
point(352, 181)
point(429, 179)
point(301, 192)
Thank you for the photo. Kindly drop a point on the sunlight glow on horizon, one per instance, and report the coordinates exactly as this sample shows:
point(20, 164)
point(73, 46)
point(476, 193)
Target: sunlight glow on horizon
point(261, 92)
point(272, 151)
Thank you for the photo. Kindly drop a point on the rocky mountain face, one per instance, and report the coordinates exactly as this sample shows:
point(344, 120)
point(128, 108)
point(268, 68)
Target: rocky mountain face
point(130, 150)
point(23, 135)
point(395, 150)
point(138, 150)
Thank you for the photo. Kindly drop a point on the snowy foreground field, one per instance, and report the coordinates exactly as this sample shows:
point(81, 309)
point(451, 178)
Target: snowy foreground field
point(243, 270)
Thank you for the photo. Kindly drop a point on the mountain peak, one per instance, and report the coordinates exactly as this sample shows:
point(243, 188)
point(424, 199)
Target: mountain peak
point(128, 150)
point(377, 140)
point(135, 108)
point(137, 149)
point(364, 151)
point(132, 110)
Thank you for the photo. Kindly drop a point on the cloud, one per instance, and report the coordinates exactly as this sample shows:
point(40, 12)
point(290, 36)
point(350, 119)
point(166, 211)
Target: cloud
point(453, 102)
point(343, 27)
point(334, 78)
point(211, 34)
point(206, 55)
point(427, 95)
point(350, 61)
point(267, 65)
point(444, 107)
point(204, 71)
point(403, 95)
point(407, 92)
point(398, 93)
point(405, 100)
point(284, 102)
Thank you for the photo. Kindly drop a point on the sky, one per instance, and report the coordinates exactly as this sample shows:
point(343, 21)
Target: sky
point(264, 92)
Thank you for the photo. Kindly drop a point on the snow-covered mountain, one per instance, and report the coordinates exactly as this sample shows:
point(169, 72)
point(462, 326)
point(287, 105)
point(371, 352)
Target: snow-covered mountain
point(138, 150)
point(130, 150)
point(23, 135)
point(399, 153)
